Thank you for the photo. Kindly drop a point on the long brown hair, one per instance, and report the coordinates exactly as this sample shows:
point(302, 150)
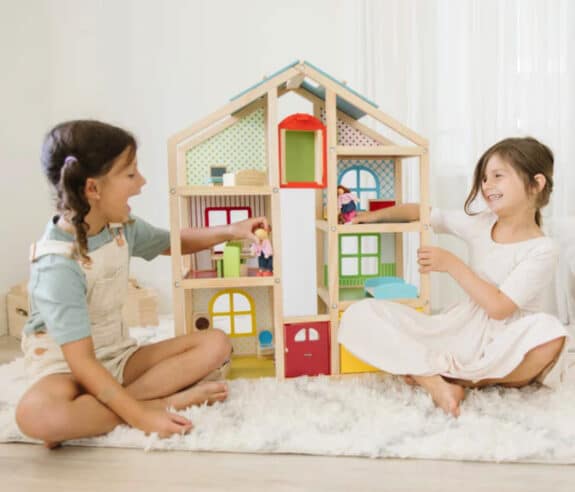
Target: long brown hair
point(72, 152)
point(528, 157)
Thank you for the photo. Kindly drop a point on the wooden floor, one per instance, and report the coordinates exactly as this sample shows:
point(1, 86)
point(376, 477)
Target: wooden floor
point(29, 468)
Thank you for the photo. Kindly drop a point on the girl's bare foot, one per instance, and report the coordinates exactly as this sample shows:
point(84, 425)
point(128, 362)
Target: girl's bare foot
point(52, 444)
point(204, 392)
point(446, 396)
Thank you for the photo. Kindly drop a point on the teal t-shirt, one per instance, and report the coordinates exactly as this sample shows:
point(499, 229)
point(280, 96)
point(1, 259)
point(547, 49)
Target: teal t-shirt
point(58, 290)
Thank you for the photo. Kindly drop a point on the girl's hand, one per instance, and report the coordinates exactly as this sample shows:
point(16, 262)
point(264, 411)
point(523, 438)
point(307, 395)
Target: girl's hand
point(163, 422)
point(433, 259)
point(245, 229)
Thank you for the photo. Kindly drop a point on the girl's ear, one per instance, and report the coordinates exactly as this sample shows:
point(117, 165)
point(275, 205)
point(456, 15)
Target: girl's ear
point(540, 182)
point(92, 189)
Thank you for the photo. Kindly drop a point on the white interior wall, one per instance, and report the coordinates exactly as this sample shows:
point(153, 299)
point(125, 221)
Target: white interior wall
point(153, 67)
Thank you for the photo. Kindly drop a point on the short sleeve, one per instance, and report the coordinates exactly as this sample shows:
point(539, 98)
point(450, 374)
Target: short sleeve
point(456, 222)
point(531, 275)
point(58, 300)
point(145, 240)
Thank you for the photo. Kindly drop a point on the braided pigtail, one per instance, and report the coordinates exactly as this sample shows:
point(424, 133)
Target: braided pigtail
point(73, 203)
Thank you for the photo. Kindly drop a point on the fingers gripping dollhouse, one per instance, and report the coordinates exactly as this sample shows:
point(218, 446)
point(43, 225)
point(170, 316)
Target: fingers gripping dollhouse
point(232, 164)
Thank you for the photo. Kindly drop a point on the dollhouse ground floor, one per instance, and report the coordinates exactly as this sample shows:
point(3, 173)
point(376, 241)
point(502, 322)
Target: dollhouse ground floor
point(32, 467)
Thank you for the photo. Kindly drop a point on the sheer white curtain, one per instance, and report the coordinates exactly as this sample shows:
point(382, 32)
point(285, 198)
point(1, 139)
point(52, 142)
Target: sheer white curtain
point(465, 74)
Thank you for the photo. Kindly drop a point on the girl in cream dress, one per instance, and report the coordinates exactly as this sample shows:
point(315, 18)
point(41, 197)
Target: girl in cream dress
point(498, 334)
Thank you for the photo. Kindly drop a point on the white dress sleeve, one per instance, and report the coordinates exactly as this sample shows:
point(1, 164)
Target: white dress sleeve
point(455, 222)
point(531, 275)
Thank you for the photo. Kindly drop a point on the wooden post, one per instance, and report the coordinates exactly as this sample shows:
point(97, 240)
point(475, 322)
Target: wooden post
point(273, 172)
point(175, 240)
point(425, 227)
point(332, 213)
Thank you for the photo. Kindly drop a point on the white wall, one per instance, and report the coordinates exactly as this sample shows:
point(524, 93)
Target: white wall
point(153, 67)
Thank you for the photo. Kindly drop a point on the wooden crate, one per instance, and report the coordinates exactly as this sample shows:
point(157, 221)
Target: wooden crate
point(141, 306)
point(17, 309)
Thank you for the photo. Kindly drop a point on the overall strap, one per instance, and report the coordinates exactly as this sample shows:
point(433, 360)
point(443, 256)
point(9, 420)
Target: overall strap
point(51, 247)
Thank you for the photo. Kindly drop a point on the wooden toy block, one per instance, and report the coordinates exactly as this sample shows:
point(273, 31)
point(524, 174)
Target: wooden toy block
point(17, 309)
point(390, 288)
point(232, 258)
point(307, 350)
point(251, 177)
point(140, 308)
point(350, 364)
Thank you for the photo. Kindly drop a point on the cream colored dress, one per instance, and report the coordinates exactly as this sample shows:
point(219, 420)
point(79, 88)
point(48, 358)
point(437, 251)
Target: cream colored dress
point(463, 342)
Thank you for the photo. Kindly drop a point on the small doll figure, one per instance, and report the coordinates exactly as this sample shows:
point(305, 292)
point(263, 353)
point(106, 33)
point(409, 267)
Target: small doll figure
point(346, 202)
point(263, 250)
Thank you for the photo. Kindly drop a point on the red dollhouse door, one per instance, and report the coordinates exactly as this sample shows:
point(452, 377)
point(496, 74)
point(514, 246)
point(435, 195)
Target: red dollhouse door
point(307, 349)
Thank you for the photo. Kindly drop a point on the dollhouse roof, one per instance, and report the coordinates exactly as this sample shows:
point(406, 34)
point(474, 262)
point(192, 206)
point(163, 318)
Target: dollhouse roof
point(317, 90)
point(310, 82)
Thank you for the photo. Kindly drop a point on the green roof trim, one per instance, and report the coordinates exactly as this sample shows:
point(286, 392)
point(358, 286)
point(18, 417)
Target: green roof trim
point(318, 91)
point(265, 80)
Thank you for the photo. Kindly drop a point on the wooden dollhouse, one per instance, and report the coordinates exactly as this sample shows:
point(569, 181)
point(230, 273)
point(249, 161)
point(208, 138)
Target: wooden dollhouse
point(232, 164)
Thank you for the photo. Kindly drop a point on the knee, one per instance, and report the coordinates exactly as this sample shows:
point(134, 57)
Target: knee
point(544, 354)
point(219, 345)
point(35, 418)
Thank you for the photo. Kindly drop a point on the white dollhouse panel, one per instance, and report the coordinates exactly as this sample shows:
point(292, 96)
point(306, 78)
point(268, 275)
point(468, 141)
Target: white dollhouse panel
point(365, 197)
point(349, 267)
point(222, 323)
point(238, 215)
point(243, 324)
point(222, 304)
point(349, 245)
point(366, 179)
point(369, 265)
point(349, 180)
point(241, 302)
point(369, 245)
point(217, 218)
point(300, 336)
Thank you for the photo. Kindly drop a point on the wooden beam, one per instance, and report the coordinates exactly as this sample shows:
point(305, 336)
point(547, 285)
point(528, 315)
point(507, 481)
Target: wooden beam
point(235, 105)
point(366, 130)
point(364, 106)
point(380, 151)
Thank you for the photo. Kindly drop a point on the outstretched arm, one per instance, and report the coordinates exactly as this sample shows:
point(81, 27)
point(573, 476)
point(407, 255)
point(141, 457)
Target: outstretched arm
point(495, 303)
point(406, 212)
point(198, 239)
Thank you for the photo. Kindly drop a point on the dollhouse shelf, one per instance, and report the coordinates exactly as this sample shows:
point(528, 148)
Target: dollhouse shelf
point(224, 190)
point(414, 303)
point(371, 228)
point(208, 279)
point(349, 296)
point(379, 151)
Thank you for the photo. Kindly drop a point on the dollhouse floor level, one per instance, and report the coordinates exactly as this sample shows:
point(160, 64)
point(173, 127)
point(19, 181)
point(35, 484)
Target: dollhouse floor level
point(251, 367)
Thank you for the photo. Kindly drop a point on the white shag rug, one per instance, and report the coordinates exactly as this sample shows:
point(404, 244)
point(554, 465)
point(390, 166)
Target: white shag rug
point(370, 416)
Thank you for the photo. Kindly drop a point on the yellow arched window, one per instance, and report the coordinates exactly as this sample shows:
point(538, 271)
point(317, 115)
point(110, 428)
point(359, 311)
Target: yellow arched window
point(233, 312)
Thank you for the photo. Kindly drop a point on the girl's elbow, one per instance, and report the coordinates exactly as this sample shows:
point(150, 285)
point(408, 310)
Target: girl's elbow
point(500, 313)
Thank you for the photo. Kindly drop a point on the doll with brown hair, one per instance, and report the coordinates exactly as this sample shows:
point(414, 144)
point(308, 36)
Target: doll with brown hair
point(346, 203)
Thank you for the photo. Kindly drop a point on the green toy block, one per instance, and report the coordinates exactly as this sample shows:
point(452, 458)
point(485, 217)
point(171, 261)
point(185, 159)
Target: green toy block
point(232, 256)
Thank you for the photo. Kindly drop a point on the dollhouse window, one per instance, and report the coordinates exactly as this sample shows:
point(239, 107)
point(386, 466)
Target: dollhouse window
point(218, 216)
point(312, 335)
point(359, 255)
point(233, 312)
point(362, 182)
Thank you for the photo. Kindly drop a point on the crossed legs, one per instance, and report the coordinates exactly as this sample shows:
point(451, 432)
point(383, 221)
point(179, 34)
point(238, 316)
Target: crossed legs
point(448, 393)
point(57, 408)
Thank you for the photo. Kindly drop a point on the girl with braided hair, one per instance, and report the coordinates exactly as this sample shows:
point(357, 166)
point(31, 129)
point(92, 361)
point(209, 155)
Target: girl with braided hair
point(85, 376)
